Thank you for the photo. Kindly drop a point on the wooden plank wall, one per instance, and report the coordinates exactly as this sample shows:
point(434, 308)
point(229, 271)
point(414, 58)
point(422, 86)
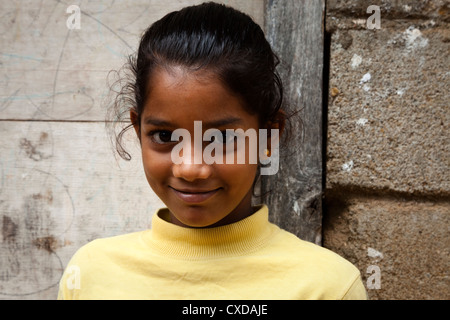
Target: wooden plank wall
point(296, 32)
point(61, 185)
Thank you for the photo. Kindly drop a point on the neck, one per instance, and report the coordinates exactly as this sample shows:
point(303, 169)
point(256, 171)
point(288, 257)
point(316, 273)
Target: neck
point(201, 243)
point(242, 211)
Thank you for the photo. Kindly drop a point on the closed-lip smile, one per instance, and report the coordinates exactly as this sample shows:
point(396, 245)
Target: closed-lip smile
point(194, 195)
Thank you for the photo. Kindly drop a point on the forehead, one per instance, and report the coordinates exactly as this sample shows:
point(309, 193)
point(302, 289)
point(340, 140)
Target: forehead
point(179, 95)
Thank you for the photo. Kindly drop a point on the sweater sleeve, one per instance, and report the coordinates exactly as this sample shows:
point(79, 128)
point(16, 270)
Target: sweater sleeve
point(356, 291)
point(71, 281)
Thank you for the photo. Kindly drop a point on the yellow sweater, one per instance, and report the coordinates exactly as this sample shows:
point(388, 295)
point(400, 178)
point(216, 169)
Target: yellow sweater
point(249, 259)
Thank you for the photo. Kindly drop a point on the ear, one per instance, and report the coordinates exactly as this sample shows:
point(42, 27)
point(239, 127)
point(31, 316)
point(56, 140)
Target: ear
point(135, 121)
point(280, 118)
point(278, 122)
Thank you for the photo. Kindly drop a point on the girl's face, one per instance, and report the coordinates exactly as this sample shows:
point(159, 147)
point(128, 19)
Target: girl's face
point(197, 194)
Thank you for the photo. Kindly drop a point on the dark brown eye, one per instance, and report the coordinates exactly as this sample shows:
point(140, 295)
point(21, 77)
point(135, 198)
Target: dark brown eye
point(161, 137)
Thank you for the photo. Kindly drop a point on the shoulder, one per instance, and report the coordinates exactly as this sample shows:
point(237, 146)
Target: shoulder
point(102, 248)
point(119, 240)
point(304, 250)
point(97, 259)
point(329, 275)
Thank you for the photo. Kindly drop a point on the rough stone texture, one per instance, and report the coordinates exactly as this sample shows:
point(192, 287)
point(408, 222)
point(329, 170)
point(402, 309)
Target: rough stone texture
point(388, 115)
point(408, 241)
point(388, 157)
point(399, 9)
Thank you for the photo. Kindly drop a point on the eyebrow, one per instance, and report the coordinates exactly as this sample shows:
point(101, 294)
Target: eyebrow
point(158, 122)
point(207, 124)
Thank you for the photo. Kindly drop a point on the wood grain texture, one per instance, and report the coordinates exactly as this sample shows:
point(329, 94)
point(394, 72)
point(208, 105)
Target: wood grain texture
point(60, 185)
point(48, 71)
point(295, 30)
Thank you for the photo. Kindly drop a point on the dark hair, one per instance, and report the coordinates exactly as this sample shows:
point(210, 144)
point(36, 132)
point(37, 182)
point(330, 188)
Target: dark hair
point(211, 37)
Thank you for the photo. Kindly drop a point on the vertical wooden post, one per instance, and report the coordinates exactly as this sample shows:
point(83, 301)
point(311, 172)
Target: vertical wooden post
point(295, 30)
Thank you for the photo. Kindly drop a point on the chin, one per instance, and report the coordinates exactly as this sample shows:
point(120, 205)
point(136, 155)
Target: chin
point(196, 217)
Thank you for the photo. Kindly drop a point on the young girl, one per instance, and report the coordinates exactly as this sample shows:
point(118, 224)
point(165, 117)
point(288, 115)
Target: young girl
point(208, 65)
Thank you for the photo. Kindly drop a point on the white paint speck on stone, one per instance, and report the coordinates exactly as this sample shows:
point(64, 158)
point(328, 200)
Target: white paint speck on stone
point(414, 38)
point(365, 78)
point(348, 166)
point(356, 61)
point(362, 122)
point(371, 252)
point(360, 22)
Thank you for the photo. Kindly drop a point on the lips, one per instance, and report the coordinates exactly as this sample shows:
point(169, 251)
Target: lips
point(194, 195)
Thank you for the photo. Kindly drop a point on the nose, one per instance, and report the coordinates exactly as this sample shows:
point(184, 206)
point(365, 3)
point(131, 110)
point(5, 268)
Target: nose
point(191, 170)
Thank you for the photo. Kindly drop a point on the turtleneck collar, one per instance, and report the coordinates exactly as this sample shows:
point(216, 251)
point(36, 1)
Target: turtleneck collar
point(234, 239)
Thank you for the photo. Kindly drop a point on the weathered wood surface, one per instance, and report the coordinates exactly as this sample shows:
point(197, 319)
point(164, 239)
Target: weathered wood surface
point(295, 30)
point(60, 188)
point(51, 72)
point(60, 183)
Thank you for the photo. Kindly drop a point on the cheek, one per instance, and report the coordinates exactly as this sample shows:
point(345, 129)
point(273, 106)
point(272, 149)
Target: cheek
point(239, 177)
point(157, 167)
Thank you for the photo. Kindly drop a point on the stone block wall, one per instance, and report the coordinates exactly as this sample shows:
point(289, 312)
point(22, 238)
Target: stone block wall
point(387, 203)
